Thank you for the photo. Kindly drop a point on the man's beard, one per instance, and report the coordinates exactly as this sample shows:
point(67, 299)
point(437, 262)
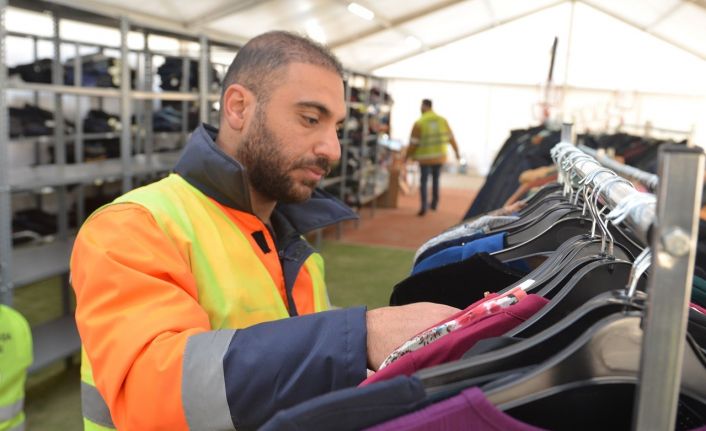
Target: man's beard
point(267, 168)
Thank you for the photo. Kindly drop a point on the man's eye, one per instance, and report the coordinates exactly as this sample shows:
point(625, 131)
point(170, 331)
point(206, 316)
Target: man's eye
point(312, 121)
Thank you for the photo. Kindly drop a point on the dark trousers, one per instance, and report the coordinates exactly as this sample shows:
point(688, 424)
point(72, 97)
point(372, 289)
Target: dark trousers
point(435, 171)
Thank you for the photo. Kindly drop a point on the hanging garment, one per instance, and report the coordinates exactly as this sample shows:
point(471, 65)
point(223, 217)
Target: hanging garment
point(489, 244)
point(455, 344)
point(524, 149)
point(469, 410)
point(351, 409)
point(453, 254)
point(458, 284)
point(460, 320)
point(698, 291)
point(460, 234)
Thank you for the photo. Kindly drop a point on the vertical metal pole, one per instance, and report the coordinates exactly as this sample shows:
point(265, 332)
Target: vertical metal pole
point(673, 246)
point(139, 107)
point(125, 107)
point(149, 107)
point(35, 99)
point(100, 99)
point(78, 137)
point(5, 201)
point(566, 133)
point(185, 87)
point(204, 79)
point(569, 46)
point(59, 136)
point(345, 141)
point(35, 57)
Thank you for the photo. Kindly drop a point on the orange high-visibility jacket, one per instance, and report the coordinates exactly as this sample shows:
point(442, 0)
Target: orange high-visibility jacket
point(184, 298)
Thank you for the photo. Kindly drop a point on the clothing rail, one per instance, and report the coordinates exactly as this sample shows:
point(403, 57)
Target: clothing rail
point(671, 231)
point(651, 181)
point(639, 218)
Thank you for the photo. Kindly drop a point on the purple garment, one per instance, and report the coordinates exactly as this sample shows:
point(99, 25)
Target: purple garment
point(469, 410)
point(453, 345)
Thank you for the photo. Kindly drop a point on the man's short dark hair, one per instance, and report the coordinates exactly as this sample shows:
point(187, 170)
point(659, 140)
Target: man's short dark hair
point(426, 103)
point(259, 64)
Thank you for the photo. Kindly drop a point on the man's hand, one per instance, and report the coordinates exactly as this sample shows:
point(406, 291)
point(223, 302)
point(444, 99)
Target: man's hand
point(389, 327)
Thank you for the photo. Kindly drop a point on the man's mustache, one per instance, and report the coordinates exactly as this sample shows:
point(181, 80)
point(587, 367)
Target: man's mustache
point(320, 162)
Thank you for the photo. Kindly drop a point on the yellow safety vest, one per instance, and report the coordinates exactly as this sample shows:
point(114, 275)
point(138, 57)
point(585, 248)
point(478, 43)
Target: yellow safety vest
point(434, 137)
point(15, 358)
point(192, 221)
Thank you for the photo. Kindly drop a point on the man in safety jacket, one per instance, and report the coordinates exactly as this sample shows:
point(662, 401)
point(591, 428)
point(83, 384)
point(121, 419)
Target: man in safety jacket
point(431, 136)
point(15, 358)
point(199, 304)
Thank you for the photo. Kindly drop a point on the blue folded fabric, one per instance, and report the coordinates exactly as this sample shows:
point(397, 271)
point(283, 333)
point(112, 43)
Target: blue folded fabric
point(488, 244)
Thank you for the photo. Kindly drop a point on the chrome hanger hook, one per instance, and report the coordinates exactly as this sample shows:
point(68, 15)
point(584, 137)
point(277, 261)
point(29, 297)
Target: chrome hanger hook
point(640, 265)
point(600, 187)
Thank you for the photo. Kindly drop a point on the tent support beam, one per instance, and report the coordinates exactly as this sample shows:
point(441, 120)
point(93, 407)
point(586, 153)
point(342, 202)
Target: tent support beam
point(222, 11)
point(388, 24)
point(466, 35)
point(662, 17)
point(643, 28)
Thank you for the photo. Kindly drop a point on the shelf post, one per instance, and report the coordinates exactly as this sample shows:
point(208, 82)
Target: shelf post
point(59, 133)
point(5, 202)
point(125, 107)
point(204, 79)
point(78, 137)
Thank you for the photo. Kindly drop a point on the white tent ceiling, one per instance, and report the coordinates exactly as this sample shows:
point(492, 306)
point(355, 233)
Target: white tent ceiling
point(401, 29)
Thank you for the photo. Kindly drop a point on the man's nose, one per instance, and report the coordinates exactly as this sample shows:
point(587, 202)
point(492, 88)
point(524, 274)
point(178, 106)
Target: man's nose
point(329, 146)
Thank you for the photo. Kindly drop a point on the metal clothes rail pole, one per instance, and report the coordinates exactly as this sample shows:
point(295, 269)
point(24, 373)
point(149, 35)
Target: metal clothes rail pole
point(672, 237)
point(651, 181)
point(669, 286)
point(640, 219)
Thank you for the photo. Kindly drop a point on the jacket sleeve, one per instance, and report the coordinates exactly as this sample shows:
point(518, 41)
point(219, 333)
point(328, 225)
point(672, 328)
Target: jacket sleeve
point(157, 362)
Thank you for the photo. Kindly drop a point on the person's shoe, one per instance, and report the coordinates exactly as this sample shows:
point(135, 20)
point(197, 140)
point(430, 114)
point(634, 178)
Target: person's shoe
point(421, 212)
point(433, 207)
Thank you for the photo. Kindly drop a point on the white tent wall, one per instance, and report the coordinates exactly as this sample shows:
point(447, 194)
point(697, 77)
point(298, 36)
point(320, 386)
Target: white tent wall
point(614, 72)
point(482, 115)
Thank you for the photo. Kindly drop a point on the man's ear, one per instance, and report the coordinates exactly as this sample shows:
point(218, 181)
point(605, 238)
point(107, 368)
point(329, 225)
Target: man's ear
point(237, 104)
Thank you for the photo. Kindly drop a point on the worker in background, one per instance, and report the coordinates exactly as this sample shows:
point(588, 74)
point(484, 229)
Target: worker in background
point(199, 304)
point(428, 145)
point(15, 358)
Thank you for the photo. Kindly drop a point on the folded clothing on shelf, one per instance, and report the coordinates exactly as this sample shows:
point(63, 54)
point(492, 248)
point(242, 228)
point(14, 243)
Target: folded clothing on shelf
point(171, 74)
point(97, 70)
point(32, 120)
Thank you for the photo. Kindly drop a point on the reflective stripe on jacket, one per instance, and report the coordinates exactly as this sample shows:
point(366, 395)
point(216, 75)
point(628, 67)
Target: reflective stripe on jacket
point(171, 287)
point(15, 358)
point(433, 137)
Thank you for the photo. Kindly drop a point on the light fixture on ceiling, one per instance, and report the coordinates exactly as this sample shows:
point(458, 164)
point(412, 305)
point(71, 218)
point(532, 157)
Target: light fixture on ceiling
point(315, 31)
point(413, 42)
point(361, 11)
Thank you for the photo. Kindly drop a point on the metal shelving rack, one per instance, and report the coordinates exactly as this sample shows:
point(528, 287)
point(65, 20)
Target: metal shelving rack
point(367, 191)
point(58, 338)
point(21, 266)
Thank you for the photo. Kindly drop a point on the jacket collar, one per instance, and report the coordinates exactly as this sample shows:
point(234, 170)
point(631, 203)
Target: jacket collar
point(205, 166)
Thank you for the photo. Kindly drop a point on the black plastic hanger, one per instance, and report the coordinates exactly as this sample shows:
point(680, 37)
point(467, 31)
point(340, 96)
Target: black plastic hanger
point(546, 240)
point(608, 352)
point(567, 260)
point(592, 278)
point(532, 350)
